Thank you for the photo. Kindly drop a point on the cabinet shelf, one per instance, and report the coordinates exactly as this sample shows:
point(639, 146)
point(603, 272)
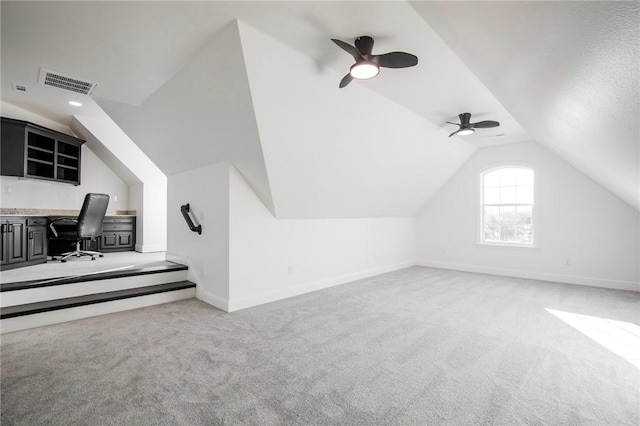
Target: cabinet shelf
point(29, 150)
point(72, 157)
point(67, 167)
point(37, 148)
point(35, 160)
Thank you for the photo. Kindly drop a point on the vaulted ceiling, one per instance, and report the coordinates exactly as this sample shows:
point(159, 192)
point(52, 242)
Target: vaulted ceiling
point(256, 83)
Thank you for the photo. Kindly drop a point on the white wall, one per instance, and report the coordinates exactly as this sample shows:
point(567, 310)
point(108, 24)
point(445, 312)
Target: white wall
point(95, 176)
point(206, 189)
point(202, 115)
point(271, 259)
point(341, 153)
point(574, 218)
point(103, 134)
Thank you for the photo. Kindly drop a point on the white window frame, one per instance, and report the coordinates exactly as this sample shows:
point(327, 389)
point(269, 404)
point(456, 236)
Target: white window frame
point(480, 216)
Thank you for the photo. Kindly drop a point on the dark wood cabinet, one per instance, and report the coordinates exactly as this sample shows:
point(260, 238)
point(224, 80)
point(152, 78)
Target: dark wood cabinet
point(24, 241)
point(118, 234)
point(37, 241)
point(32, 151)
point(13, 241)
point(91, 245)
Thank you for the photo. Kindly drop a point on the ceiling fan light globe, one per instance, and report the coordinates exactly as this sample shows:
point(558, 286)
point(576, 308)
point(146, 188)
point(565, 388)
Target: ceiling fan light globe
point(364, 70)
point(466, 132)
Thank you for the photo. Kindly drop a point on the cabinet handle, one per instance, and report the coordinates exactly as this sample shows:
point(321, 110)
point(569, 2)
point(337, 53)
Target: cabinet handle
point(10, 228)
point(31, 235)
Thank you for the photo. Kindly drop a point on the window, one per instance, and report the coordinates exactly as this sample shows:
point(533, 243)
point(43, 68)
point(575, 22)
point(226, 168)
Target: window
point(507, 206)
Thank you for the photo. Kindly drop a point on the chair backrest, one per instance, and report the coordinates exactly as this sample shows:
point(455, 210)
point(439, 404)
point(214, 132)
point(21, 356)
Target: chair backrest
point(92, 214)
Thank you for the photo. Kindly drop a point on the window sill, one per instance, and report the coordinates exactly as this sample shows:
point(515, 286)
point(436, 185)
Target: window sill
point(507, 245)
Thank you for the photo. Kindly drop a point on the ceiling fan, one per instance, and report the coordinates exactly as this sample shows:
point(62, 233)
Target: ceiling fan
point(467, 128)
point(368, 65)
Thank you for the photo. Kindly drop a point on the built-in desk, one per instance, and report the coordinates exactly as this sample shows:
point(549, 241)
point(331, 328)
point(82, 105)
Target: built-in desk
point(27, 240)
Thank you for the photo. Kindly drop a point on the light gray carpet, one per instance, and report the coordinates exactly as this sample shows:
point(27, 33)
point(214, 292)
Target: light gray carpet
point(418, 346)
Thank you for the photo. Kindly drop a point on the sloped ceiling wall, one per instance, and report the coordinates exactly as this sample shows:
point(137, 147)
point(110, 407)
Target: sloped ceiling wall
point(340, 153)
point(569, 73)
point(564, 73)
point(201, 116)
point(309, 149)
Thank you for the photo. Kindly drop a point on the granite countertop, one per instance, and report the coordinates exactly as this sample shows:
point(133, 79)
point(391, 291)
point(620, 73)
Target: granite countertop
point(57, 212)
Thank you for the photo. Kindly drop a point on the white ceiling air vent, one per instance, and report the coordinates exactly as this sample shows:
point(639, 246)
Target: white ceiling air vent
point(66, 82)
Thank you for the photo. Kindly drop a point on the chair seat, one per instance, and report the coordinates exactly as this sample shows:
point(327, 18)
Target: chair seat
point(71, 236)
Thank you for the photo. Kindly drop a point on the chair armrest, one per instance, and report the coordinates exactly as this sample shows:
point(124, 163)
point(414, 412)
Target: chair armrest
point(66, 219)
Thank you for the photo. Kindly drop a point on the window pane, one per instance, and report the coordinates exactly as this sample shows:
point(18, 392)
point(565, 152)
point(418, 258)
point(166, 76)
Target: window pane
point(507, 177)
point(523, 215)
point(524, 177)
point(507, 214)
point(525, 194)
point(492, 195)
point(523, 233)
point(507, 233)
point(507, 195)
point(491, 223)
point(491, 214)
point(492, 179)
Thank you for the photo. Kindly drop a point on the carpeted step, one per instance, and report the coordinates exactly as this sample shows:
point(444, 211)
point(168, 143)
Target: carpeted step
point(154, 268)
point(90, 299)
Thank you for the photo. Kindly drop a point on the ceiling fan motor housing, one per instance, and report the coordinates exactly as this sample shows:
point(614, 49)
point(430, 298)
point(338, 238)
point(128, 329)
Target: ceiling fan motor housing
point(465, 118)
point(364, 44)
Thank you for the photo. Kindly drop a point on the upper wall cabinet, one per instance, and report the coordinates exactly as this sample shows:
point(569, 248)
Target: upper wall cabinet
point(32, 151)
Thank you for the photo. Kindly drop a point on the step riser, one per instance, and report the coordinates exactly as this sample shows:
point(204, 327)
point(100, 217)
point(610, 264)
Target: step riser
point(40, 294)
point(10, 325)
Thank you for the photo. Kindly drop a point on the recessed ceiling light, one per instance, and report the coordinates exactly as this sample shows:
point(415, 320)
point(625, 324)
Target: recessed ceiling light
point(74, 103)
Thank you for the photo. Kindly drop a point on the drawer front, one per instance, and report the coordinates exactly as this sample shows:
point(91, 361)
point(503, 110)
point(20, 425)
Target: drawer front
point(37, 221)
point(107, 227)
point(124, 224)
point(111, 219)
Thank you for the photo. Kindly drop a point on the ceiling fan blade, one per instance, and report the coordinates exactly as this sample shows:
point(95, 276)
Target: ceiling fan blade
point(345, 80)
point(485, 124)
point(395, 60)
point(454, 132)
point(454, 123)
point(349, 49)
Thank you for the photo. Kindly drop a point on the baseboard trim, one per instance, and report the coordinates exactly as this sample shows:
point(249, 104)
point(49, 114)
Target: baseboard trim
point(213, 300)
point(150, 248)
point(272, 296)
point(542, 276)
point(176, 259)
point(201, 294)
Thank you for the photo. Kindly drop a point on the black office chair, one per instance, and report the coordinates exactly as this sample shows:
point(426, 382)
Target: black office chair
point(88, 226)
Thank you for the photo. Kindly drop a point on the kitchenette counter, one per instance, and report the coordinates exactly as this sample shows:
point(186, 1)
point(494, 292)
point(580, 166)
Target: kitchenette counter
point(57, 212)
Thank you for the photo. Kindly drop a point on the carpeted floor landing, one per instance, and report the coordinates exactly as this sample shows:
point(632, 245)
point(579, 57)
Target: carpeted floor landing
point(417, 346)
